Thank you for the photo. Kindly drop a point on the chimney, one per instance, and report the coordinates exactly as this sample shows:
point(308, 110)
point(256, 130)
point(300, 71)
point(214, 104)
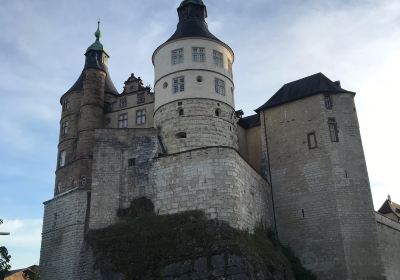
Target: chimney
point(337, 83)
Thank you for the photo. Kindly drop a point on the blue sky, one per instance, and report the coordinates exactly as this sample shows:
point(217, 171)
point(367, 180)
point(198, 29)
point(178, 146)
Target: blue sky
point(42, 43)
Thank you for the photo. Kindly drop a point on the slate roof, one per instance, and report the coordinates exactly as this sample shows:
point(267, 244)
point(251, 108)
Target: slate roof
point(390, 207)
point(192, 21)
point(250, 121)
point(94, 60)
point(305, 87)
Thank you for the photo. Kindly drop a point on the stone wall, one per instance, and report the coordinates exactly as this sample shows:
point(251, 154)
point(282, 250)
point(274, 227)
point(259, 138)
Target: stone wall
point(322, 196)
point(389, 243)
point(63, 235)
point(216, 180)
point(200, 123)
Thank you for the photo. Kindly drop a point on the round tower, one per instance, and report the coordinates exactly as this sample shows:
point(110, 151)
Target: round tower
point(82, 112)
point(194, 89)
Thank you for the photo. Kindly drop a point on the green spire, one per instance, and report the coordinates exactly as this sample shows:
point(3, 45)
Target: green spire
point(97, 45)
point(98, 33)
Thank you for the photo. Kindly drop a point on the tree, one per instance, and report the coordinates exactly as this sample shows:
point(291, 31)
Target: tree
point(4, 262)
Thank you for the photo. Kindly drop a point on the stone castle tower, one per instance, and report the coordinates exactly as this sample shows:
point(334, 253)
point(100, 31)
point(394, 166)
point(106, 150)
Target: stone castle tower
point(323, 202)
point(297, 166)
point(194, 104)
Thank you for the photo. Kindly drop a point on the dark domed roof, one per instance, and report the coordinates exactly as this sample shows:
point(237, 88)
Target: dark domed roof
point(192, 15)
point(196, 2)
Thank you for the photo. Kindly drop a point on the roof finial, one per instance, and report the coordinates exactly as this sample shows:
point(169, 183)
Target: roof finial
point(98, 33)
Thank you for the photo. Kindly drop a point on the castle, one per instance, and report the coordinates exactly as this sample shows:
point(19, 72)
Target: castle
point(296, 166)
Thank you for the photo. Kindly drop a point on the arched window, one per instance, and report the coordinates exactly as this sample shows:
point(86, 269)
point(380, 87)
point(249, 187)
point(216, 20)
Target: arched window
point(218, 112)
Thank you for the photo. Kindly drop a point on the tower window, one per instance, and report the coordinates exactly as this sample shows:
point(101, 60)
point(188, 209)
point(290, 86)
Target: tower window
point(181, 112)
point(199, 79)
point(108, 107)
point(131, 162)
point(230, 67)
point(177, 56)
point(123, 121)
point(333, 130)
point(179, 84)
point(219, 86)
point(328, 101)
point(140, 98)
point(61, 158)
point(140, 116)
point(66, 105)
point(198, 54)
point(181, 135)
point(312, 140)
point(64, 128)
point(123, 102)
point(218, 112)
point(58, 189)
point(218, 58)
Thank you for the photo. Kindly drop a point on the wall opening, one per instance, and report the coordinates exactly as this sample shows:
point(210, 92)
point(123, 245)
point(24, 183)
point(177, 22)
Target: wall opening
point(218, 112)
point(181, 112)
point(181, 135)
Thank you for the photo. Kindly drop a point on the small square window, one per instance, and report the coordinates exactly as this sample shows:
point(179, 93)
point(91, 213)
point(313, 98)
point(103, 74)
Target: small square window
point(312, 140)
point(131, 162)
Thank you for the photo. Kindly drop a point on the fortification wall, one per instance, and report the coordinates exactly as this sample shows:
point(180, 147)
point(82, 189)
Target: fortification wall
point(216, 180)
point(389, 244)
point(322, 197)
point(63, 235)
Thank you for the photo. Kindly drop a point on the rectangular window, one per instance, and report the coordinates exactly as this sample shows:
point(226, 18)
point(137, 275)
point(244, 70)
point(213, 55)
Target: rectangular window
point(328, 101)
point(64, 128)
point(123, 121)
point(123, 102)
point(177, 56)
point(218, 59)
point(131, 162)
point(219, 86)
point(61, 158)
point(66, 105)
point(333, 130)
point(230, 67)
point(140, 116)
point(199, 54)
point(140, 98)
point(179, 84)
point(312, 140)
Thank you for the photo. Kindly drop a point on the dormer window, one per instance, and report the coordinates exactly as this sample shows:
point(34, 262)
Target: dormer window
point(198, 54)
point(123, 102)
point(177, 56)
point(140, 98)
point(218, 59)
